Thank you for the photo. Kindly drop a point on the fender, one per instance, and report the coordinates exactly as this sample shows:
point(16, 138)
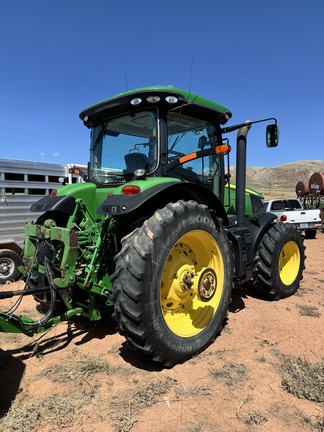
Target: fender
point(65, 204)
point(257, 226)
point(245, 240)
point(121, 204)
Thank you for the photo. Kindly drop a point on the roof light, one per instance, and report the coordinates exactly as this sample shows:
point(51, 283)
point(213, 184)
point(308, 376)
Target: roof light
point(136, 101)
point(171, 99)
point(153, 99)
point(131, 190)
point(85, 118)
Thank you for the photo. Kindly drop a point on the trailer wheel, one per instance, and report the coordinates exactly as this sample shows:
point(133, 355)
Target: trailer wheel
point(9, 263)
point(172, 283)
point(279, 262)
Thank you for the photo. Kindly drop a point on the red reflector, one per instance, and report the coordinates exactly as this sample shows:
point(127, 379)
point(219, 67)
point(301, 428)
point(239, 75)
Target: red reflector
point(283, 218)
point(131, 190)
point(53, 192)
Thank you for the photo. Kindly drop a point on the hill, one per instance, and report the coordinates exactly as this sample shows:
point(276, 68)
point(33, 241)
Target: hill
point(281, 180)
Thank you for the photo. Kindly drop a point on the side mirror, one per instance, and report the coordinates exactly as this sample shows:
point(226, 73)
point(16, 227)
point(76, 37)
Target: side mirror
point(272, 135)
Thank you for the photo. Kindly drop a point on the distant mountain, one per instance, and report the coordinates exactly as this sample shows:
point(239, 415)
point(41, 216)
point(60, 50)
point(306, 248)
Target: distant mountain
point(281, 180)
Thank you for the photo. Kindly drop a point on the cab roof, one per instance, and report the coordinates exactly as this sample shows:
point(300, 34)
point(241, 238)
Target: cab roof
point(189, 102)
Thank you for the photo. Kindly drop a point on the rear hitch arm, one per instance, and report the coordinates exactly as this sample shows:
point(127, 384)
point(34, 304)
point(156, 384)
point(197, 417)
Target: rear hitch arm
point(24, 292)
point(20, 324)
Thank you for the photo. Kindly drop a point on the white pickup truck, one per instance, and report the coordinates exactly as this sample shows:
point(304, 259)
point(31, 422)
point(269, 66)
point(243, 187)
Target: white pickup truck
point(291, 211)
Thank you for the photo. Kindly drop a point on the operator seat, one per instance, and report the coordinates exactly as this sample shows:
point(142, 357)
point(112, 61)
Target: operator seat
point(135, 161)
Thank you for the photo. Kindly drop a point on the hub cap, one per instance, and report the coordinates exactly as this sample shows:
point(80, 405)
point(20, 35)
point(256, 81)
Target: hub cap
point(6, 267)
point(192, 283)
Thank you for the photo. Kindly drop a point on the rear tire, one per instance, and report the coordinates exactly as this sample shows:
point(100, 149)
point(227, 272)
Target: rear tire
point(172, 283)
point(279, 261)
point(9, 263)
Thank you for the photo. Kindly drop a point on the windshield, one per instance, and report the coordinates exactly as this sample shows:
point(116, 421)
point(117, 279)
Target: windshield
point(187, 135)
point(122, 145)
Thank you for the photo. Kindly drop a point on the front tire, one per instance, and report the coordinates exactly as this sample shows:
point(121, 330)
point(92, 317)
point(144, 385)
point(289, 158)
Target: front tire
point(279, 261)
point(172, 283)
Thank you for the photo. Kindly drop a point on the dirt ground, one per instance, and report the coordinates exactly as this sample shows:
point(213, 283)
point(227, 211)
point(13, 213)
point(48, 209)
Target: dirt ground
point(263, 373)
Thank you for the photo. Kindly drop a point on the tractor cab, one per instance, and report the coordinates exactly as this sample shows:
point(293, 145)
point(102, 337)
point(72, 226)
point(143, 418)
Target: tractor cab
point(159, 132)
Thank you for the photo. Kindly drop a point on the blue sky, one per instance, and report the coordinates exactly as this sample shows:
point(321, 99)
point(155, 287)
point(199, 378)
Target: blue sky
point(258, 58)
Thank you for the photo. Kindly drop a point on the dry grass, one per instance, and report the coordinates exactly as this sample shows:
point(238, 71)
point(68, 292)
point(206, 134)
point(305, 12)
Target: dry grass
point(306, 310)
point(126, 407)
point(255, 418)
point(303, 380)
point(193, 391)
point(77, 367)
point(230, 373)
point(57, 412)
point(54, 409)
point(251, 418)
point(314, 423)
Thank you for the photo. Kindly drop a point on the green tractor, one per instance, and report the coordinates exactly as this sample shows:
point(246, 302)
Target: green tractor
point(157, 232)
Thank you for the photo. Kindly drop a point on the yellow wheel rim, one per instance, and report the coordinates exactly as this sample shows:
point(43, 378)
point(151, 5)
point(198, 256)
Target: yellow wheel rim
point(289, 263)
point(192, 283)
